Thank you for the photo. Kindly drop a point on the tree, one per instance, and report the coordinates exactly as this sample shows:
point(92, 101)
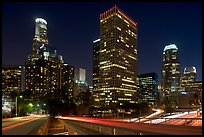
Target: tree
point(84, 100)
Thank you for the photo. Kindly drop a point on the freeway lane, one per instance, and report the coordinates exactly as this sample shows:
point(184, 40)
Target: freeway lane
point(154, 128)
point(179, 121)
point(11, 121)
point(21, 126)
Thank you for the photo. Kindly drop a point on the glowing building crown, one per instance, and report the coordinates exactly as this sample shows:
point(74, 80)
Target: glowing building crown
point(41, 20)
point(171, 46)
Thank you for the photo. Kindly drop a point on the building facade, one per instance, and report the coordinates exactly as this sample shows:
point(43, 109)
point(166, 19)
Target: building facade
point(170, 81)
point(148, 88)
point(67, 80)
point(40, 40)
point(43, 66)
point(37, 80)
point(80, 77)
point(189, 75)
point(194, 89)
point(117, 62)
point(11, 79)
point(96, 45)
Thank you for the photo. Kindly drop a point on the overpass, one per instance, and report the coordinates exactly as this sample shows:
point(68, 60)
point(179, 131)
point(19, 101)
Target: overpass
point(34, 125)
point(114, 127)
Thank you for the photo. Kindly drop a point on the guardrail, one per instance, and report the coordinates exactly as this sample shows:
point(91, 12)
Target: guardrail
point(143, 129)
point(108, 130)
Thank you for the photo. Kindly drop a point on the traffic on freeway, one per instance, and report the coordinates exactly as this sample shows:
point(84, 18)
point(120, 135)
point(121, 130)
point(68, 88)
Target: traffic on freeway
point(22, 125)
point(145, 127)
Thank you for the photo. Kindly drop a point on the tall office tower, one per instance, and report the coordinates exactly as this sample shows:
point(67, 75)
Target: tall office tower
point(190, 72)
point(80, 76)
point(53, 63)
point(11, 79)
point(148, 88)
point(37, 80)
point(189, 75)
point(43, 77)
point(170, 81)
point(67, 80)
point(118, 61)
point(96, 44)
point(41, 31)
point(43, 66)
point(195, 90)
point(39, 41)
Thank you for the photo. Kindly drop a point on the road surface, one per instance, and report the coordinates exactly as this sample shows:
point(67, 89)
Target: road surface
point(153, 128)
point(22, 125)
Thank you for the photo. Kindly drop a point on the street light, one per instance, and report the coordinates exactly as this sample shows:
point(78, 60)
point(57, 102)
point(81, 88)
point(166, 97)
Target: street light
point(17, 105)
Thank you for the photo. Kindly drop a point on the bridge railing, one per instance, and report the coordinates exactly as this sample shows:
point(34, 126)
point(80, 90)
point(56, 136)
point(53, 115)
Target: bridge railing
point(109, 130)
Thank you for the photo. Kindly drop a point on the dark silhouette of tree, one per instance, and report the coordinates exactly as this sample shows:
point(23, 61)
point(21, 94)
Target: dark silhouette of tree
point(84, 102)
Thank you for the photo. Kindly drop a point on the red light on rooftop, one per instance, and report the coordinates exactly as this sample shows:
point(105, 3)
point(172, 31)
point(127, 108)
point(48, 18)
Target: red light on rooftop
point(116, 9)
point(130, 20)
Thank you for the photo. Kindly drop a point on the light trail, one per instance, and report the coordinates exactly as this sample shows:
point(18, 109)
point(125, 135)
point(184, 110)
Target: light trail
point(10, 123)
point(159, 128)
point(18, 124)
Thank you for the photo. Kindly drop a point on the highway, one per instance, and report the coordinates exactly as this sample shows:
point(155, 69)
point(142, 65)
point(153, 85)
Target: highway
point(27, 124)
point(171, 121)
point(22, 125)
point(153, 128)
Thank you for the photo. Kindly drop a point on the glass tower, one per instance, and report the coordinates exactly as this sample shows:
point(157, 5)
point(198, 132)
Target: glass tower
point(117, 62)
point(189, 75)
point(170, 69)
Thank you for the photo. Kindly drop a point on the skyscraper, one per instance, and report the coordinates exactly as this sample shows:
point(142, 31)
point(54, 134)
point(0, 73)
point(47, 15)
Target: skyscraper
point(189, 75)
point(40, 40)
point(80, 76)
point(11, 79)
point(148, 88)
point(96, 44)
point(43, 66)
point(41, 31)
point(117, 61)
point(170, 81)
point(67, 80)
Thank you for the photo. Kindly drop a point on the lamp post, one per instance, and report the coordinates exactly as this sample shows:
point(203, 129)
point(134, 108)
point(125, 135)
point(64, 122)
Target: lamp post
point(17, 105)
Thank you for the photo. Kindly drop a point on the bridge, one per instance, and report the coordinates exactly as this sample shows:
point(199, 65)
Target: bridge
point(95, 126)
point(116, 127)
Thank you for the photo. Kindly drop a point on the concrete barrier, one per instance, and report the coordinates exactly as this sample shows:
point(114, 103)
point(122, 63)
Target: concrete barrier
point(106, 129)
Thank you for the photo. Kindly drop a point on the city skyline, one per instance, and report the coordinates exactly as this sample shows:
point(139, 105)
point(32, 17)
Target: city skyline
point(83, 23)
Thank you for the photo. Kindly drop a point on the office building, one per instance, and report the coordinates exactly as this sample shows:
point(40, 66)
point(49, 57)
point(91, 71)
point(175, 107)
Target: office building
point(195, 91)
point(37, 80)
point(117, 62)
point(96, 45)
point(67, 80)
point(170, 80)
point(148, 88)
point(40, 40)
point(43, 65)
point(80, 77)
point(189, 75)
point(11, 79)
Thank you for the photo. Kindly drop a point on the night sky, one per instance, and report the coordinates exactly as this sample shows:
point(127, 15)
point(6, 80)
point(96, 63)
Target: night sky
point(72, 27)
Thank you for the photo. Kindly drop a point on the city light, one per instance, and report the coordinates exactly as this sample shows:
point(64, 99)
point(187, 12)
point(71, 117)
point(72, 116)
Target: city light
point(41, 20)
point(115, 97)
point(96, 40)
point(171, 46)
